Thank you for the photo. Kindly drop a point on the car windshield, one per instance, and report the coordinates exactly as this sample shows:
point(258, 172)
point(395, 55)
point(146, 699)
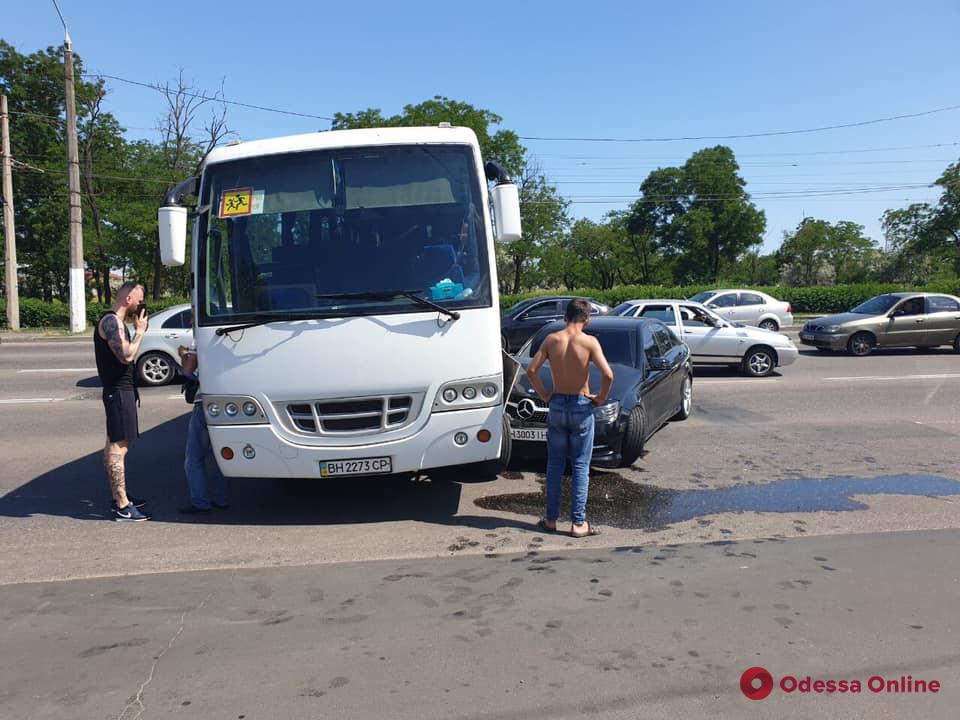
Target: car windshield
point(328, 233)
point(702, 297)
point(619, 345)
point(623, 308)
point(877, 305)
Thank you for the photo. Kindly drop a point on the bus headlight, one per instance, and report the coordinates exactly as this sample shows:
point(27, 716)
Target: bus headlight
point(464, 394)
point(234, 410)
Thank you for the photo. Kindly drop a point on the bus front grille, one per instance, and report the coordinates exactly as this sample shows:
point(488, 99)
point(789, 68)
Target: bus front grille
point(353, 416)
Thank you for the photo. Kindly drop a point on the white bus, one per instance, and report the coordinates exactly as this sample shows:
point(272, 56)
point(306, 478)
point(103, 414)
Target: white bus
point(347, 315)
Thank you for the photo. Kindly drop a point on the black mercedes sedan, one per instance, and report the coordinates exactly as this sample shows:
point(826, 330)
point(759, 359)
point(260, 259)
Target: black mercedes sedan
point(519, 322)
point(652, 383)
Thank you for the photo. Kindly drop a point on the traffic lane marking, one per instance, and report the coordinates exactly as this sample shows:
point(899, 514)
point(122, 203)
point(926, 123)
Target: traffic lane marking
point(58, 370)
point(894, 378)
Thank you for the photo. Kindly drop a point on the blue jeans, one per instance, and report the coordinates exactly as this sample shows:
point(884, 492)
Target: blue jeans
point(569, 437)
point(194, 464)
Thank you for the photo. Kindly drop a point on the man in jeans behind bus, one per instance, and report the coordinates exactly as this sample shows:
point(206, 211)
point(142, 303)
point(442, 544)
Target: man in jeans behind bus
point(196, 452)
point(570, 420)
point(115, 352)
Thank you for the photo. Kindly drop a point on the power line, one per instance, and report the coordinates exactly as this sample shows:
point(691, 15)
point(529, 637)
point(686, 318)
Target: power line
point(158, 88)
point(744, 155)
point(772, 133)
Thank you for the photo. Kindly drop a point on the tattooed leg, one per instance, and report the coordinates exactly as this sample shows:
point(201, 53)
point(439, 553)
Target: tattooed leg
point(113, 462)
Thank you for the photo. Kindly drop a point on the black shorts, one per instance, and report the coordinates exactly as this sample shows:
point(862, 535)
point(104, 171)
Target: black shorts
point(121, 409)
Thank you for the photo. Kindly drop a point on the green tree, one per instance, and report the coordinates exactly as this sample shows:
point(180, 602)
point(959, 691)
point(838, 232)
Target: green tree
point(34, 87)
point(502, 146)
point(755, 269)
point(544, 215)
point(700, 214)
point(929, 233)
point(848, 252)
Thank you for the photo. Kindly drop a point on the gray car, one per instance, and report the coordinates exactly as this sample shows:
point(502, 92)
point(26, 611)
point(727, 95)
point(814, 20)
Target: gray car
point(750, 307)
point(157, 361)
point(903, 319)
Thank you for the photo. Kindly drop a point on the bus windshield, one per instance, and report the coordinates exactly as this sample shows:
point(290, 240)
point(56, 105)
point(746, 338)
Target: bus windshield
point(334, 233)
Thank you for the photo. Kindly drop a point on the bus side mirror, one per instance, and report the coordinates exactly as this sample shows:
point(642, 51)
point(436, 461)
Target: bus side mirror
point(506, 210)
point(173, 235)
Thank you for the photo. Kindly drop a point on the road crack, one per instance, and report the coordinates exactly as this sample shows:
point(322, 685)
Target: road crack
point(137, 701)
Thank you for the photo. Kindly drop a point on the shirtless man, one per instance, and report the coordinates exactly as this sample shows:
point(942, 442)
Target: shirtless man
point(115, 353)
point(570, 420)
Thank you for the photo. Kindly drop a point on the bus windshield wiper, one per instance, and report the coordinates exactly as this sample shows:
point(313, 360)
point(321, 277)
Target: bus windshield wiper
point(389, 295)
point(269, 318)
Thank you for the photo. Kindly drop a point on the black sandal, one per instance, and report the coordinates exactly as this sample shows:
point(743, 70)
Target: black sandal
point(542, 525)
point(591, 530)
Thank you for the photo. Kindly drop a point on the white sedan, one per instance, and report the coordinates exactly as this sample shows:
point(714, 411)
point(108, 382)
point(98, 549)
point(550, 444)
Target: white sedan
point(157, 361)
point(715, 341)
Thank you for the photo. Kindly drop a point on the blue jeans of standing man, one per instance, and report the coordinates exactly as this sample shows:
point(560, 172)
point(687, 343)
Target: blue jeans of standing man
point(194, 465)
point(569, 437)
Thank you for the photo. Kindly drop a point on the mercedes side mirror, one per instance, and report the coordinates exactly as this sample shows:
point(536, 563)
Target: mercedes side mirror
point(658, 363)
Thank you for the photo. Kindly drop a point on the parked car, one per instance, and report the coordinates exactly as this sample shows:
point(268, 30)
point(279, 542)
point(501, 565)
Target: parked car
point(750, 307)
point(652, 383)
point(520, 322)
point(712, 339)
point(904, 319)
point(157, 360)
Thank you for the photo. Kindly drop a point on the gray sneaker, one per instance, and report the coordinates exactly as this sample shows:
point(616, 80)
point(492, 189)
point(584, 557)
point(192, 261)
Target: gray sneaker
point(128, 514)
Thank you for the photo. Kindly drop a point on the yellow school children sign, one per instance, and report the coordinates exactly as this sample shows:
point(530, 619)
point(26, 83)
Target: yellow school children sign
point(238, 201)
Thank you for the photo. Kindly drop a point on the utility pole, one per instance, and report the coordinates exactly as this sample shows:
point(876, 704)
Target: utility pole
point(10, 246)
point(78, 295)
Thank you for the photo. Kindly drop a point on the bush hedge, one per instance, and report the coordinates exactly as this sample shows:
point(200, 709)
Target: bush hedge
point(36, 313)
point(816, 300)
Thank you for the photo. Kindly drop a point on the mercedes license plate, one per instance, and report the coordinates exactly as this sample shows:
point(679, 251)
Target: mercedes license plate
point(358, 466)
point(530, 434)
point(806, 336)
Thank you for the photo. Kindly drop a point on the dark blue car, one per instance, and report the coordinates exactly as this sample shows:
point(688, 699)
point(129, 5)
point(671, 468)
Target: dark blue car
point(521, 321)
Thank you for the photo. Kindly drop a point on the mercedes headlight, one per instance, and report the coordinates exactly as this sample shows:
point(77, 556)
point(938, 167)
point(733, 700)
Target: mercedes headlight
point(607, 412)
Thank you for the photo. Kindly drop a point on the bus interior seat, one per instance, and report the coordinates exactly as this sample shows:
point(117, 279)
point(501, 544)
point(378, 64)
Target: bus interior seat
point(439, 262)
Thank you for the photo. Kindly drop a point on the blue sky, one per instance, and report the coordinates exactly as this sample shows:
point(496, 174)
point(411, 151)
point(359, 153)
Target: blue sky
point(561, 70)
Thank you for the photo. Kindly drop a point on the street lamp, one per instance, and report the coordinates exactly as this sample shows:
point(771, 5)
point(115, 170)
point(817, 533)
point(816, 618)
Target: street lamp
point(78, 306)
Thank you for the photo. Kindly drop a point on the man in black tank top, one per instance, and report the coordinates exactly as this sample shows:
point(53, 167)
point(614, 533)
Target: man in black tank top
point(116, 351)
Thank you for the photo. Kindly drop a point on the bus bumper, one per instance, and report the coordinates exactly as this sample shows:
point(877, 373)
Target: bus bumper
point(258, 451)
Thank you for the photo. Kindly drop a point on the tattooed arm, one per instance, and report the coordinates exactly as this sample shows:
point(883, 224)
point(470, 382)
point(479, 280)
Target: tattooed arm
point(116, 337)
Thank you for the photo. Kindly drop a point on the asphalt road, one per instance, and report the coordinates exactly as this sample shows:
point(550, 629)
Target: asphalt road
point(848, 459)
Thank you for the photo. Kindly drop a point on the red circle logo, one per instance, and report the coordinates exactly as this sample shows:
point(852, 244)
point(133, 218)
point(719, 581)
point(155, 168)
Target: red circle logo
point(756, 683)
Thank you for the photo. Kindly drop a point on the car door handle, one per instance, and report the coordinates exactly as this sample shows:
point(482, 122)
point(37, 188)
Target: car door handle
point(919, 320)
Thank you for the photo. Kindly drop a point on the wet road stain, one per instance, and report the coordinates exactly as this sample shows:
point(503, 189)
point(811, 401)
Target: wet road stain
point(618, 502)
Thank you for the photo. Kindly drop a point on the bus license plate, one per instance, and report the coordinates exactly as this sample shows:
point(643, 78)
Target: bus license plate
point(529, 434)
point(359, 466)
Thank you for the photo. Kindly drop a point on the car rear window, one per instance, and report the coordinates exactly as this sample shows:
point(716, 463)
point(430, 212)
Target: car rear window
point(939, 303)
